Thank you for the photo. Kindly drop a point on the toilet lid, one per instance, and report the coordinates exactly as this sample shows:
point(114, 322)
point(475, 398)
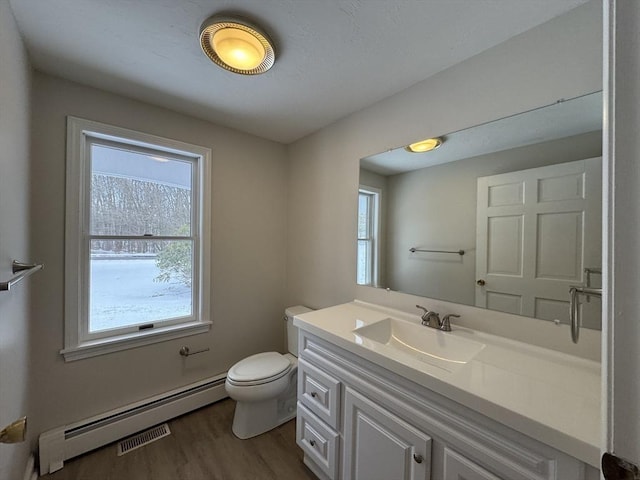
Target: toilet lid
point(261, 366)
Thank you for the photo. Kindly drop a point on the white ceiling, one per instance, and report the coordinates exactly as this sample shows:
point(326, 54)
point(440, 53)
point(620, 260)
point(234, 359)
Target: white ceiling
point(333, 57)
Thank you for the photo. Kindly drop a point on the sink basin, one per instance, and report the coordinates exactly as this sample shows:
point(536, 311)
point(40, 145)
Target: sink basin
point(415, 344)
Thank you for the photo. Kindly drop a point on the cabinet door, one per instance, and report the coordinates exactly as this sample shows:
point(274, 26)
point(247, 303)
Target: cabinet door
point(457, 467)
point(380, 446)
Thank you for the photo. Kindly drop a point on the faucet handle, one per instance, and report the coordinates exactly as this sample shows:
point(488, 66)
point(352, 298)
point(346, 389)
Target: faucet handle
point(446, 322)
point(426, 312)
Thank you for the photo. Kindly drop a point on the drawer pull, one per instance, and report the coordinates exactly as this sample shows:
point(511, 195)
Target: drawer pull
point(314, 394)
point(312, 443)
point(417, 458)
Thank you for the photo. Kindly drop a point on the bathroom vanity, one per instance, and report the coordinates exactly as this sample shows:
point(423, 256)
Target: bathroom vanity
point(382, 397)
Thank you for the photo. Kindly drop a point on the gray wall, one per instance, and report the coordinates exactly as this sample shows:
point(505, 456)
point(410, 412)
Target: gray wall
point(15, 330)
point(559, 59)
point(248, 259)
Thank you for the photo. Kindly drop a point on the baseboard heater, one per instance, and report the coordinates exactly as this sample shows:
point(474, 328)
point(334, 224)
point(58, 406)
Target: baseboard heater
point(60, 444)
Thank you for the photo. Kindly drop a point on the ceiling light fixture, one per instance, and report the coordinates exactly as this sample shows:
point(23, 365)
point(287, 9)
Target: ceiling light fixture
point(236, 45)
point(424, 145)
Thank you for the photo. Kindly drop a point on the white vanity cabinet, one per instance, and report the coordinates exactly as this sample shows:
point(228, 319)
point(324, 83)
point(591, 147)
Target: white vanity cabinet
point(359, 421)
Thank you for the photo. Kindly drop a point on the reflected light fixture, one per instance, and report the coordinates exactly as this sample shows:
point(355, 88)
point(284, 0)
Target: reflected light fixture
point(236, 45)
point(424, 145)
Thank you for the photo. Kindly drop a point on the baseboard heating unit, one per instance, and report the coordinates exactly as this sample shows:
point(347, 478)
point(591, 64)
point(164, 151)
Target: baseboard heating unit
point(60, 444)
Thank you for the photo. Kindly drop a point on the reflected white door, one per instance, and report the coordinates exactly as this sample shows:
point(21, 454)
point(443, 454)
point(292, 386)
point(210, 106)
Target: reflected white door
point(537, 230)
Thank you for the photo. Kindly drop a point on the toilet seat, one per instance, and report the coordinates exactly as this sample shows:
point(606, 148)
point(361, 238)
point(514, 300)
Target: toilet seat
point(259, 369)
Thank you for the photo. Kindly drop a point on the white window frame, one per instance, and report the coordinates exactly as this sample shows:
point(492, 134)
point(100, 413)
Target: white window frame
point(79, 343)
point(374, 233)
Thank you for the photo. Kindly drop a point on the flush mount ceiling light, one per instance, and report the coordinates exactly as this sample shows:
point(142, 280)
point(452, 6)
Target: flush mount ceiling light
point(236, 45)
point(424, 145)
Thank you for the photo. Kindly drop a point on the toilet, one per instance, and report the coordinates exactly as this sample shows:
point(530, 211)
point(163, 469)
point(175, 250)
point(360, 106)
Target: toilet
point(264, 385)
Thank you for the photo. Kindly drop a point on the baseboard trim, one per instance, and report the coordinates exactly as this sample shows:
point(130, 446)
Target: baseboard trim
point(68, 441)
point(30, 472)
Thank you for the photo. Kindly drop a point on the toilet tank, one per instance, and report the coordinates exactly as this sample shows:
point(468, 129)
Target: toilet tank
point(291, 332)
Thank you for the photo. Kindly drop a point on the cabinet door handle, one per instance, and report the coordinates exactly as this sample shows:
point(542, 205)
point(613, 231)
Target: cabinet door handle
point(314, 394)
point(417, 458)
point(481, 283)
point(312, 443)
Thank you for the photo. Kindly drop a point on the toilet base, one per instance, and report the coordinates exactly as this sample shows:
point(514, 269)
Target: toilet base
point(254, 418)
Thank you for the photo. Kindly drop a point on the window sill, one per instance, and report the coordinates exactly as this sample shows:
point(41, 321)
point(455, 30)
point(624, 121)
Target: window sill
point(133, 340)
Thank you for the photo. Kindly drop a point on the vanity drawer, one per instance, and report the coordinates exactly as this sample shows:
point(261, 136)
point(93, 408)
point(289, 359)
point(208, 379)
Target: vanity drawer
point(319, 392)
point(319, 442)
point(457, 467)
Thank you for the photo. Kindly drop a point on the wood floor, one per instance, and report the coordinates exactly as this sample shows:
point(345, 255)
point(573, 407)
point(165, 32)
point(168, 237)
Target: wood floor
point(200, 447)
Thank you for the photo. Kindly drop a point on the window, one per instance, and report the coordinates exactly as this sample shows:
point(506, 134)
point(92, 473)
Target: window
point(137, 239)
point(368, 233)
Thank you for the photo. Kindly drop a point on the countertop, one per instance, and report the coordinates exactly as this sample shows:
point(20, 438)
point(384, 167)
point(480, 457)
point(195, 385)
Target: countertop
point(549, 396)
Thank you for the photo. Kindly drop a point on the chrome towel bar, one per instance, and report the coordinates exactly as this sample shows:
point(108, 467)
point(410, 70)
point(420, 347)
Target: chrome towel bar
point(21, 271)
point(414, 250)
point(574, 307)
point(186, 351)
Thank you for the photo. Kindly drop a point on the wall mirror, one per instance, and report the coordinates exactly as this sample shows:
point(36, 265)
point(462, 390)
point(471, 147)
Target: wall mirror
point(505, 215)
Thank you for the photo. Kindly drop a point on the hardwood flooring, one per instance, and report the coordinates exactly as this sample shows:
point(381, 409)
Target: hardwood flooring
point(201, 447)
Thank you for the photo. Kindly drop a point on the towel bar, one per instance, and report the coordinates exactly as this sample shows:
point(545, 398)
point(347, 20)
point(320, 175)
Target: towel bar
point(414, 250)
point(21, 271)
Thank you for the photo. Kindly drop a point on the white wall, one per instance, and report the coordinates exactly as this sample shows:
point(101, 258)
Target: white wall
point(435, 207)
point(621, 349)
point(14, 237)
point(248, 258)
point(559, 59)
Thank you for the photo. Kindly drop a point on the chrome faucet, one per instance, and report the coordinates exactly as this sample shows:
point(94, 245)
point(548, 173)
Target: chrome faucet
point(428, 316)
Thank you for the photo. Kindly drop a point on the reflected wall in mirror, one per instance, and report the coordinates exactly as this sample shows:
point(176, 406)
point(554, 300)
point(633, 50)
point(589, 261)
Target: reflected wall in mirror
point(505, 215)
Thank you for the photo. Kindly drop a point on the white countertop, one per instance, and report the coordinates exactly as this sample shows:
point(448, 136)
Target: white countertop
point(549, 396)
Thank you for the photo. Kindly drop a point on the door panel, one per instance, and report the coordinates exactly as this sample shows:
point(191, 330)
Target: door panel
point(559, 255)
point(506, 194)
point(504, 245)
point(563, 187)
point(380, 446)
point(504, 302)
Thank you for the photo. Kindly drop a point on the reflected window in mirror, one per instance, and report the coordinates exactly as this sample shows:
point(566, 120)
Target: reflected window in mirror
point(368, 267)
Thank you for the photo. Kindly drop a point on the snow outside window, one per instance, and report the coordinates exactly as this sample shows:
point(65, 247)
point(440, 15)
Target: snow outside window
point(137, 239)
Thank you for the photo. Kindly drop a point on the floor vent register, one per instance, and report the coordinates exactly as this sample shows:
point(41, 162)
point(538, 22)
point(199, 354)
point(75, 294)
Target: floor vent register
point(143, 438)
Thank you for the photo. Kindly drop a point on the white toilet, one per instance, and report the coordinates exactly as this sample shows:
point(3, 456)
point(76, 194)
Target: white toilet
point(264, 385)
